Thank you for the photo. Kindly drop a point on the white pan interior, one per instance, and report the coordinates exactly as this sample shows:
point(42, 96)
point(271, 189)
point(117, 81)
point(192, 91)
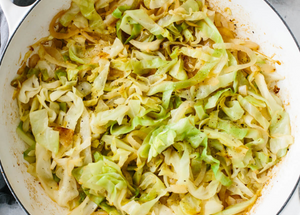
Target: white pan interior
point(255, 20)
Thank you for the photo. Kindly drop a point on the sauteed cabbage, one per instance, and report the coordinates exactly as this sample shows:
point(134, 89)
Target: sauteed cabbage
point(149, 107)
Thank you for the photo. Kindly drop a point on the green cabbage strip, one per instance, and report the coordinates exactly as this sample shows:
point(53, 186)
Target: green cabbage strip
point(235, 209)
point(141, 17)
point(141, 67)
point(43, 134)
point(253, 111)
point(165, 136)
point(73, 57)
point(215, 165)
point(103, 178)
point(137, 121)
point(67, 18)
point(88, 11)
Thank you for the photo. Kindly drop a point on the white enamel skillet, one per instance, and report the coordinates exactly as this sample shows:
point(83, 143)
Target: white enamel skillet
point(255, 20)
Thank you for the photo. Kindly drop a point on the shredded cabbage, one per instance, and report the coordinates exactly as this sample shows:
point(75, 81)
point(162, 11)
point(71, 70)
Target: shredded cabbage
point(149, 107)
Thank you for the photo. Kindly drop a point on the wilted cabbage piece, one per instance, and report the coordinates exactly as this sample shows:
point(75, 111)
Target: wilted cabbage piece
point(149, 107)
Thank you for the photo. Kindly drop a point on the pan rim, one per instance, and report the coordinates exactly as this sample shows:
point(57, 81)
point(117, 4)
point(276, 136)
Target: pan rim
point(1, 59)
point(9, 42)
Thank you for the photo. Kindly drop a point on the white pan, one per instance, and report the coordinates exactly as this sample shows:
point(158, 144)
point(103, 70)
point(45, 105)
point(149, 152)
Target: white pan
point(255, 20)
